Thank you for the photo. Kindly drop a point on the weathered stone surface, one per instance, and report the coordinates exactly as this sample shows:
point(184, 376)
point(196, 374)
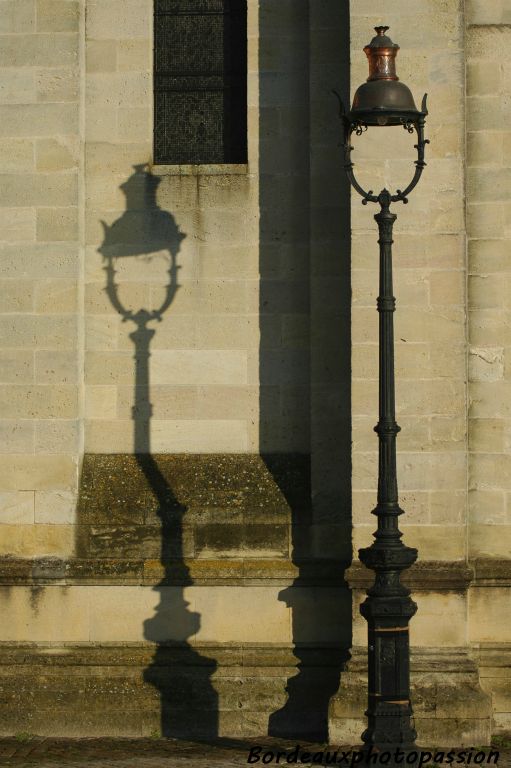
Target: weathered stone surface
point(214, 685)
point(191, 505)
point(449, 704)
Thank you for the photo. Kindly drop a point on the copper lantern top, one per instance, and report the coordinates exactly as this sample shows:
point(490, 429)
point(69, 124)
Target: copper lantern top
point(381, 53)
point(383, 99)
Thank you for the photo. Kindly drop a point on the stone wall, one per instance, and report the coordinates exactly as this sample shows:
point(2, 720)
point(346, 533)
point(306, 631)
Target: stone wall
point(40, 274)
point(488, 228)
point(251, 356)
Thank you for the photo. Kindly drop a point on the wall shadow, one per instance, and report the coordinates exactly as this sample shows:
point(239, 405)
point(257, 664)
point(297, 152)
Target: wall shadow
point(188, 701)
point(305, 348)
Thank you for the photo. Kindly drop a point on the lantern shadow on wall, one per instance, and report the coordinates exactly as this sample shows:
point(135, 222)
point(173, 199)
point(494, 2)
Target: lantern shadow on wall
point(147, 231)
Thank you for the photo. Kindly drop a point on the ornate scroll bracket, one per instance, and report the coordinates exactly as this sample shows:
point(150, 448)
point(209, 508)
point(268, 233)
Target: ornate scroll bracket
point(356, 127)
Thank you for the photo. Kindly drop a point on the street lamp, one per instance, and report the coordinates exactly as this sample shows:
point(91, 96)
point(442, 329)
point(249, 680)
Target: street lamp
point(388, 608)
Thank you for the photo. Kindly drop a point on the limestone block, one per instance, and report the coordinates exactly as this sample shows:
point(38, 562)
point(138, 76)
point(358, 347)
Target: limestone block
point(38, 401)
point(167, 403)
point(40, 472)
point(484, 113)
point(486, 435)
point(227, 226)
point(490, 541)
point(490, 327)
point(418, 325)
point(17, 224)
point(56, 367)
point(38, 260)
point(491, 471)
point(416, 505)
point(132, 295)
point(484, 12)
point(223, 296)
point(106, 368)
point(430, 540)
point(486, 364)
point(424, 471)
point(413, 361)
point(206, 435)
point(447, 287)
point(101, 402)
point(430, 396)
point(101, 55)
point(488, 256)
point(490, 400)
point(487, 291)
point(415, 434)
point(199, 367)
point(17, 16)
point(484, 78)
point(46, 613)
point(228, 331)
point(134, 55)
point(57, 436)
point(17, 86)
point(489, 610)
point(487, 507)
point(197, 615)
point(447, 507)
point(239, 191)
point(489, 184)
point(101, 126)
point(41, 50)
point(38, 189)
point(101, 332)
point(56, 296)
point(57, 16)
point(484, 148)
point(58, 84)
point(448, 433)
point(17, 508)
point(16, 296)
point(102, 90)
point(134, 124)
point(16, 155)
point(56, 154)
point(31, 331)
point(57, 224)
point(55, 507)
point(16, 366)
point(439, 251)
point(233, 402)
point(16, 436)
point(104, 159)
point(170, 436)
point(122, 19)
point(174, 332)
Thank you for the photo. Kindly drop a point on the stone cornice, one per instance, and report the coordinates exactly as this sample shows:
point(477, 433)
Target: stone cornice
point(423, 576)
point(102, 571)
point(430, 575)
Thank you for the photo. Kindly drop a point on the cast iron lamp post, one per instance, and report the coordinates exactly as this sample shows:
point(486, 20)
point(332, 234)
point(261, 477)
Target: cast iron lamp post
point(388, 608)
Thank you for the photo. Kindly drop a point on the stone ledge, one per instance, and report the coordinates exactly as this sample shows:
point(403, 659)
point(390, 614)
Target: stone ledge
point(141, 654)
point(423, 576)
point(102, 571)
point(492, 572)
point(426, 575)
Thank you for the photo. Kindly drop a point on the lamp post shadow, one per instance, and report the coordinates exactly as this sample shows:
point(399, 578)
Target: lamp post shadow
point(305, 347)
point(188, 701)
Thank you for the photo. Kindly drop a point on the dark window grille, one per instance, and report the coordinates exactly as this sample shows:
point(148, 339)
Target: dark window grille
point(200, 81)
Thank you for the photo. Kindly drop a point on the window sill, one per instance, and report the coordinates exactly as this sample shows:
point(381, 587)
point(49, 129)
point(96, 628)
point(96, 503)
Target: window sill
point(201, 170)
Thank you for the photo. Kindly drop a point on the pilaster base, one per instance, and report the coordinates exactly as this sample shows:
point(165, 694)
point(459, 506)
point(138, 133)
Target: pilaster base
point(450, 707)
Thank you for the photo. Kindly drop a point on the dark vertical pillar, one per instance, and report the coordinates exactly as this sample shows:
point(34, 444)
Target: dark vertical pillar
point(388, 606)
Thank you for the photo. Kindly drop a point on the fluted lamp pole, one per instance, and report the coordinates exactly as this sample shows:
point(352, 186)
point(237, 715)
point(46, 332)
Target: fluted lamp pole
point(384, 101)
